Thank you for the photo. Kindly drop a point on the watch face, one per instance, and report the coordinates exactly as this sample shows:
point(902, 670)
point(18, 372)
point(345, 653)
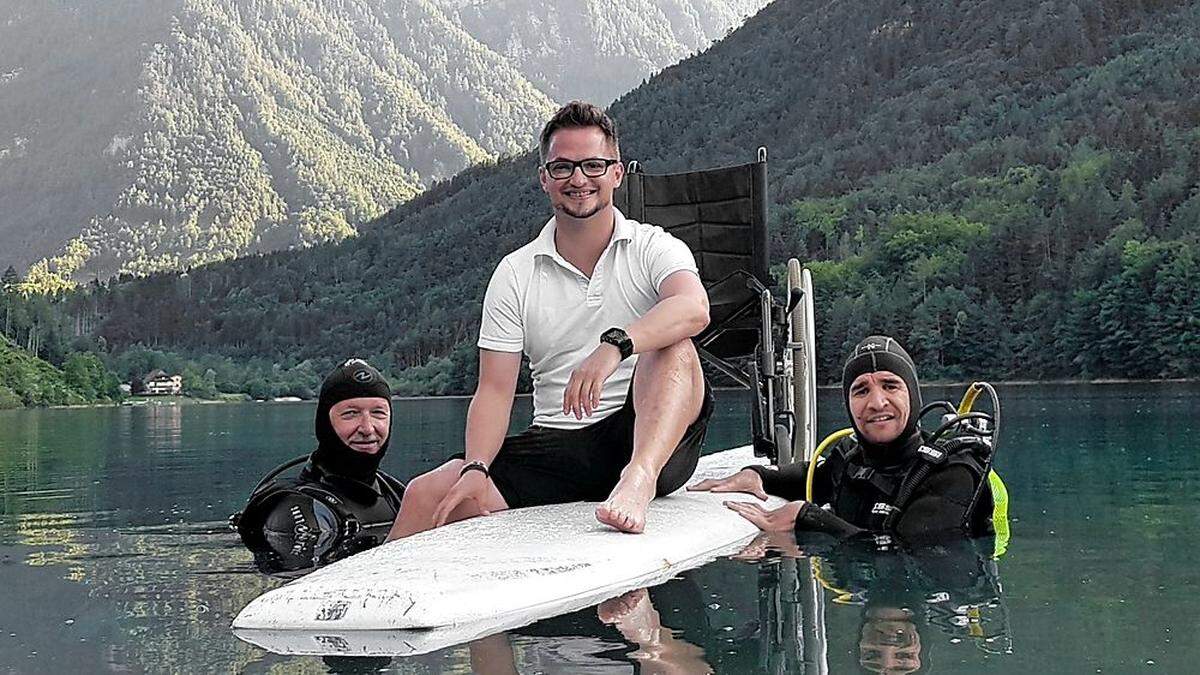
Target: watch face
point(619, 339)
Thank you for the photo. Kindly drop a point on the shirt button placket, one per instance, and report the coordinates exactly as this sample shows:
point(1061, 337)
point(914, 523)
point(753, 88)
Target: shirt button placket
point(595, 286)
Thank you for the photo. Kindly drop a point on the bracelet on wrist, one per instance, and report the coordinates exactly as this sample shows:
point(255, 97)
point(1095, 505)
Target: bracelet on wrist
point(475, 465)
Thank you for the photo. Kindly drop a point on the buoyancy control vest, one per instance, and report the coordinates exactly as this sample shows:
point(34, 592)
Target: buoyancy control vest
point(295, 524)
point(874, 498)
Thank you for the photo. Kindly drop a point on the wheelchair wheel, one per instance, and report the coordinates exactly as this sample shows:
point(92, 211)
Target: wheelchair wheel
point(802, 345)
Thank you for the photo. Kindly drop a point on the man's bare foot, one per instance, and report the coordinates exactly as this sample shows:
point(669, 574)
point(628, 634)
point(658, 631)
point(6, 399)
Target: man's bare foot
point(614, 609)
point(625, 508)
point(659, 651)
point(634, 615)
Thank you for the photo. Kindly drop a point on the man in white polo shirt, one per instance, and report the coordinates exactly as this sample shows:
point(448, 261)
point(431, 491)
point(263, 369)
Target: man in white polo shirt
point(605, 308)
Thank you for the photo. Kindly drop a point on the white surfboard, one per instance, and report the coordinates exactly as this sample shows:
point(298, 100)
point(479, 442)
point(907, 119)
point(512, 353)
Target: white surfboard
point(488, 574)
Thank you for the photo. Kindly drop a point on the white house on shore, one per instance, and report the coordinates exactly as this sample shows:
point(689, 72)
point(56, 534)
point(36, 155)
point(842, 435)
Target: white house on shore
point(158, 383)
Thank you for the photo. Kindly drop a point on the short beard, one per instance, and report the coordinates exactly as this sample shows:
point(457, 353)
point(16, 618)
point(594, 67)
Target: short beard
point(562, 208)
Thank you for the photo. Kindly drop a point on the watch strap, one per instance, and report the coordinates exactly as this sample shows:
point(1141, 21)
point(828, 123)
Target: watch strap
point(618, 338)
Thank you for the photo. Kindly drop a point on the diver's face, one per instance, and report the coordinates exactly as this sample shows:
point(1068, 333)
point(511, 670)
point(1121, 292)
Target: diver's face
point(362, 423)
point(890, 643)
point(879, 406)
point(578, 196)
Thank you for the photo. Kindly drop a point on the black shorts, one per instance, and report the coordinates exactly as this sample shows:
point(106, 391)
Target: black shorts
point(551, 466)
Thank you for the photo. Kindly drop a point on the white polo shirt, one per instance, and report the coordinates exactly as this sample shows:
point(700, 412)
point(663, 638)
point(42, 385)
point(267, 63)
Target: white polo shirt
point(540, 304)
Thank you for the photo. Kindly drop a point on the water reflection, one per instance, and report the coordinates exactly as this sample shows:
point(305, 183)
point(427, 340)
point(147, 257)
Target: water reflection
point(115, 557)
point(949, 592)
point(160, 425)
point(767, 610)
point(627, 627)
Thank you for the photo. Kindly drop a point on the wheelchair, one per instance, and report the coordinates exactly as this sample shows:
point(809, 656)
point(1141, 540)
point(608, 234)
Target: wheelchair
point(763, 343)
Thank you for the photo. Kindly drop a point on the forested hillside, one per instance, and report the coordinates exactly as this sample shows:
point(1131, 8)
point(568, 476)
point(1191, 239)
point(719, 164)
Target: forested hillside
point(1009, 187)
point(141, 136)
point(594, 49)
point(29, 381)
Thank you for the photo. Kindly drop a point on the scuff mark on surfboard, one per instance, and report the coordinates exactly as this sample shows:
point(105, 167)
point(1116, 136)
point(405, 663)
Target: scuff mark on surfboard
point(333, 612)
point(334, 642)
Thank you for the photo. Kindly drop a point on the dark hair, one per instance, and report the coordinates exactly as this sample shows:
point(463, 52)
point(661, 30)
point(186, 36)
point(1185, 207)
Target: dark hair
point(578, 114)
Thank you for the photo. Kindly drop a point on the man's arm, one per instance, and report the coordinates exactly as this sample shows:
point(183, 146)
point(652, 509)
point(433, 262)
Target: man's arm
point(487, 422)
point(491, 406)
point(681, 312)
point(789, 482)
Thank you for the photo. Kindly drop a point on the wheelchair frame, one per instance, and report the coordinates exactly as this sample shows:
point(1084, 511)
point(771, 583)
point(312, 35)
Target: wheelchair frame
point(783, 328)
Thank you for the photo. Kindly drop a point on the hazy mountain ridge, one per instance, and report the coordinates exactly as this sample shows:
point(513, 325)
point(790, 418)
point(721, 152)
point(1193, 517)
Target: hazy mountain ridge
point(66, 113)
point(614, 45)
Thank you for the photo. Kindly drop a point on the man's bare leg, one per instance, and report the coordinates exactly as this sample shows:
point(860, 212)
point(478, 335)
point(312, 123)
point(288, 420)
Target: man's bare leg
point(668, 392)
point(659, 651)
point(493, 655)
point(425, 492)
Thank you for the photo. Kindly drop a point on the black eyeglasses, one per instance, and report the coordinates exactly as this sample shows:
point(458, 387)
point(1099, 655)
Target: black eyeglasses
point(592, 167)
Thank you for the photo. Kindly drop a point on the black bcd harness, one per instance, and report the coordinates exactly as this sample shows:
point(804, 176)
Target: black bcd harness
point(293, 523)
point(894, 489)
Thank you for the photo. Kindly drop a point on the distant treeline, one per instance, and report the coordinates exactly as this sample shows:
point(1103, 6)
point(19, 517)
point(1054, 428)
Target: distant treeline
point(40, 363)
point(1010, 188)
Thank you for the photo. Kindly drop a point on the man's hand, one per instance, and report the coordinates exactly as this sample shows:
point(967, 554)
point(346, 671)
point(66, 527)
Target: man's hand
point(746, 480)
point(582, 395)
point(782, 518)
point(784, 542)
point(470, 486)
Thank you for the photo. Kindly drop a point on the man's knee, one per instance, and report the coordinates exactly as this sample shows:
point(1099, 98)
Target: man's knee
point(681, 356)
point(430, 487)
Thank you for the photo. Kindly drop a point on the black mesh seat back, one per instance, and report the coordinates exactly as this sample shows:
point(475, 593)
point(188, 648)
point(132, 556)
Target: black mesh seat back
point(721, 215)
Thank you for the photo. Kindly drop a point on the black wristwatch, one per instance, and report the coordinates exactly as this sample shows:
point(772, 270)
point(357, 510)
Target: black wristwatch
point(619, 339)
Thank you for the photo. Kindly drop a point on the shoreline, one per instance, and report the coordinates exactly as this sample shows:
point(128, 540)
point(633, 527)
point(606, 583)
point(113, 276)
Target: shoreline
point(232, 398)
point(1032, 383)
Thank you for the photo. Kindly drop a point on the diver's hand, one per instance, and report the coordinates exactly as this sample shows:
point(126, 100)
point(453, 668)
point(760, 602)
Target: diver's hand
point(782, 518)
point(783, 542)
point(746, 480)
point(471, 486)
point(582, 395)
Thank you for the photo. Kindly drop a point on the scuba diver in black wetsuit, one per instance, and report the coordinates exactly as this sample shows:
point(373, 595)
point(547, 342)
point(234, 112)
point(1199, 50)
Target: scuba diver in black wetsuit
point(890, 476)
point(341, 503)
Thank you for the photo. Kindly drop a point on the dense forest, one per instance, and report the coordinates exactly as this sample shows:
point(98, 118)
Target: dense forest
point(40, 364)
point(1008, 187)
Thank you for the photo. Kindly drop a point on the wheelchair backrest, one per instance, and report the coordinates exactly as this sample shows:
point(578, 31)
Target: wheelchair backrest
point(721, 214)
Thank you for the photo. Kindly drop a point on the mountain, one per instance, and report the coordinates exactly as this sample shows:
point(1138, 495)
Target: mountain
point(139, 136)
point(595, 50)
point(1009, 187)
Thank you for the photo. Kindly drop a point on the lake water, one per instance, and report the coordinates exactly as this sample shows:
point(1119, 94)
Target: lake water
point(115, 554)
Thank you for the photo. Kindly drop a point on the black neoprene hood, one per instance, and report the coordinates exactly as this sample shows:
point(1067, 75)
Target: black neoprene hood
point(353, 379)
